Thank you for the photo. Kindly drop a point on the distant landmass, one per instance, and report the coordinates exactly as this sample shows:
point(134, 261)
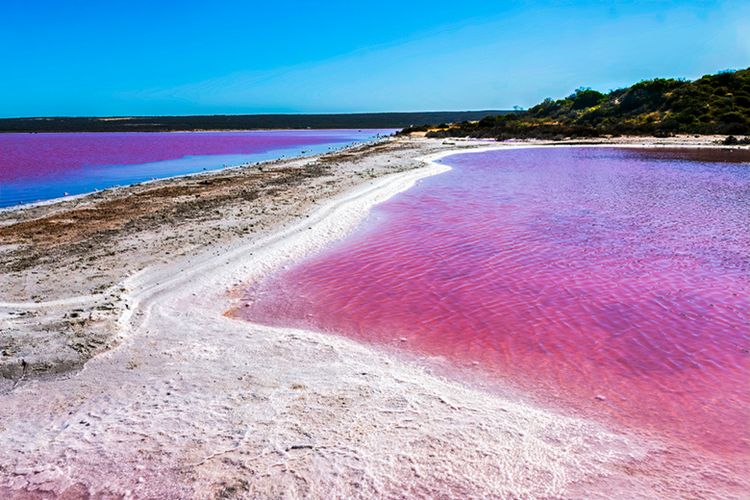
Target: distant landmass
point(238, 122)
point(713, 104)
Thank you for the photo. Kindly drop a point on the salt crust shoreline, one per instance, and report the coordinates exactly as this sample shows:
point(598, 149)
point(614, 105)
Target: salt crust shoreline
point(194, 404)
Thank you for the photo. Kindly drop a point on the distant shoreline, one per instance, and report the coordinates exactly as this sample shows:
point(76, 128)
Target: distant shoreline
point(211, 123)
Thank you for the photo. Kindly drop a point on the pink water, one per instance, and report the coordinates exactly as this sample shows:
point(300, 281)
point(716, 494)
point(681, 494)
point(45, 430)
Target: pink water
point(611, 282)
point(36, 167)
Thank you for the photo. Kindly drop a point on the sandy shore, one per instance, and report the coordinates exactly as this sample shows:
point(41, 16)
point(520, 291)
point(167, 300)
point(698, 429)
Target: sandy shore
point(123, 376)
point(63, 264)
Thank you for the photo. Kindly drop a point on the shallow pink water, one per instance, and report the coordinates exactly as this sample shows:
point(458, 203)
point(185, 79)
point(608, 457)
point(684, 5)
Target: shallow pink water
point(614, 282)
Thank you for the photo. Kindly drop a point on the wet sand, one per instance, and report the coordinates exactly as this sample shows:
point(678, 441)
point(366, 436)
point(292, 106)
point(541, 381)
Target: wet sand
point(123, 376)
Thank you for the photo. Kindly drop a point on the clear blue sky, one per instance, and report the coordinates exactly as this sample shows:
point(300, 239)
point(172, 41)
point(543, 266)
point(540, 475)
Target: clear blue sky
point(152, 57)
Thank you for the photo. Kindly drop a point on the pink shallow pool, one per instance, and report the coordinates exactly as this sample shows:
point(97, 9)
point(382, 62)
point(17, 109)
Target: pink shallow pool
point(610, 281)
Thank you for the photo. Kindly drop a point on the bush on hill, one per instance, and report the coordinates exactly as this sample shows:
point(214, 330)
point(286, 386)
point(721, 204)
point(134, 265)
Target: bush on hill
point(713, 104)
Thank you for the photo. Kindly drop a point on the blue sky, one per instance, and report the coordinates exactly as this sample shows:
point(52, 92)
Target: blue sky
point(149, 57)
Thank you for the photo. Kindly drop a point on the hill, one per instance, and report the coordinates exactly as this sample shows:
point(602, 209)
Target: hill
point(713, 104)
point(236, 122)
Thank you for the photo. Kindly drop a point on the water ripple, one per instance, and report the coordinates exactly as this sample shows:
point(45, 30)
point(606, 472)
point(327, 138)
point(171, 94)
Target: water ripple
point(584, 275)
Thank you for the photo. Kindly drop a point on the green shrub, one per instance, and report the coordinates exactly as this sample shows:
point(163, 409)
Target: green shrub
point(713, 104)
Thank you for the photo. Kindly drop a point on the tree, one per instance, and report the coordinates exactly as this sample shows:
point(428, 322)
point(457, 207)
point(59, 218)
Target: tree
point(586, 97)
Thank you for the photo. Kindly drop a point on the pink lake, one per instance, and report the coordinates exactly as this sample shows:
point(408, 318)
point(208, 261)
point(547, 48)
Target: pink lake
point(35, 167)
point(612, 282)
